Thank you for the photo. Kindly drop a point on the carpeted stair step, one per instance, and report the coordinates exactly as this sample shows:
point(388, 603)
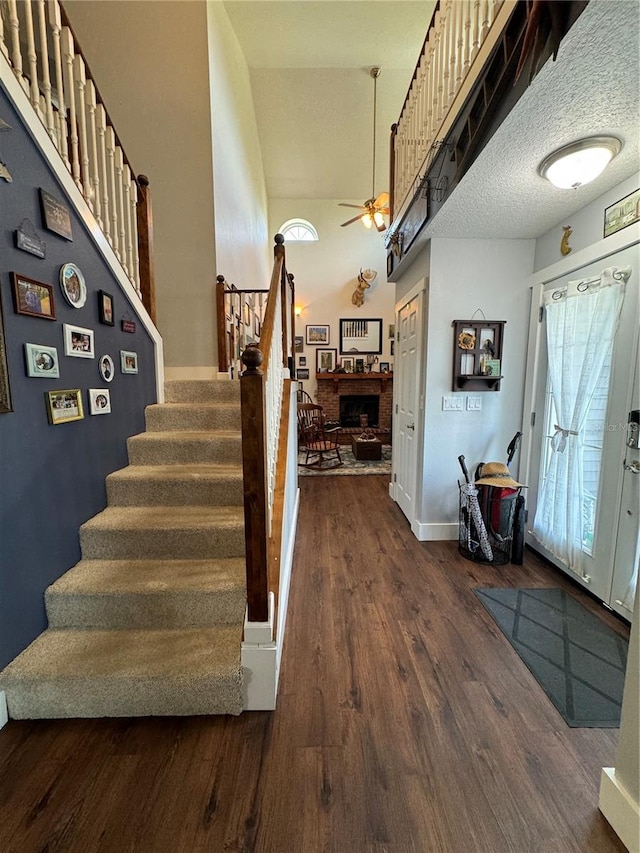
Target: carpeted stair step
point(119, 594)
point(185, 448)
point(83, 673)
point(195, 533)
point(202, 391)
point(175, 485)
point(165, 417)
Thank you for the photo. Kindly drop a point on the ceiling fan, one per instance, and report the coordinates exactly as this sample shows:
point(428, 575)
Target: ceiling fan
point(374, 209)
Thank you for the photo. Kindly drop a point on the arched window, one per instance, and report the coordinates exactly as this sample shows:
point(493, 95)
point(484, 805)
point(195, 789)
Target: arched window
point(299, 230)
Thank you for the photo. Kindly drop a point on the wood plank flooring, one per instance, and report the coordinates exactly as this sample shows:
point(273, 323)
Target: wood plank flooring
point(405, 724)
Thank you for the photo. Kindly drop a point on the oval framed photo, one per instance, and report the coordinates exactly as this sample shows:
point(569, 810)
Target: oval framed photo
point(73, 285)
point(106, 367)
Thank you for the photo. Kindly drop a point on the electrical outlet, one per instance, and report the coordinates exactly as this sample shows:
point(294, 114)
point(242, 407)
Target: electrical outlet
point(474, 404)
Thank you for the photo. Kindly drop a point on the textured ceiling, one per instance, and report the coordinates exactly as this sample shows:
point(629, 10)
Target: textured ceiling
point(313, 96)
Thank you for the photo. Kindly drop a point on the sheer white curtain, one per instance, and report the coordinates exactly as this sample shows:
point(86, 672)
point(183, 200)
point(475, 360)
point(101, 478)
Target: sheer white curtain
point(581, 324)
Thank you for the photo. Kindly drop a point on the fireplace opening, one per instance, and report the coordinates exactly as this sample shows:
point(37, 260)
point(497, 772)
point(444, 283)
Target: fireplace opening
point(352, 406)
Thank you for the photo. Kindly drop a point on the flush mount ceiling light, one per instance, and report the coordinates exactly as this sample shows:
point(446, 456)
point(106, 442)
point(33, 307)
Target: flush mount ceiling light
point(579, 162)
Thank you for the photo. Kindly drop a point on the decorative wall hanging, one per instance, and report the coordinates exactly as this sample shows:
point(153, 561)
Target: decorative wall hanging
point(78, 342)
point(622, 213)
point(106, 368)
point(64, 406)
point(42, 361)
point(128, 326)
point(317, 335)
point(28, 240)
point(325, 360)
point(105, 308)
point(5, 393)
point(73, 285)
point(99, 401)
point(55, 215)
point(565, 248)
point(365, 279)
point(128, 361)
point(32, 298)
point(477, 353)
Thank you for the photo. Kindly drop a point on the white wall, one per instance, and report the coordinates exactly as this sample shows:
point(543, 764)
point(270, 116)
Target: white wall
point(150, 63)
point(587, 225)
point(241, 236)
point(465, 275)
point(326, 272)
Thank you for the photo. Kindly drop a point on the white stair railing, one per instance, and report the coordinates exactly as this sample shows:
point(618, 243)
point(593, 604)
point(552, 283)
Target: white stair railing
point(39, 45)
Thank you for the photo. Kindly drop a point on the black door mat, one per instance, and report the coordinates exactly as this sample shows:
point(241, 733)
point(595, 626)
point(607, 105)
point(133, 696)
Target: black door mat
point(578, 660)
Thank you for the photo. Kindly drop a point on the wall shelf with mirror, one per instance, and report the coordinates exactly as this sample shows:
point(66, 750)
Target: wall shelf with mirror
point(477, 355)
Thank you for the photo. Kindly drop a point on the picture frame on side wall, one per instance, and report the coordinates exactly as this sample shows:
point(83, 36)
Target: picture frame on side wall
point(105, 308)
point(302, 374)
point(326, 360)
point(78, 341)
point(624, 212)
point(64, 406)
point(99, 401)
point(42, 361)
point(128, 361)
point(32, 298)
point(317, 335)
point(55, 215)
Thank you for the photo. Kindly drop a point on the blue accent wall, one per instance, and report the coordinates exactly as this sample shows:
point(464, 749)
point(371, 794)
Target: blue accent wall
point(52, 477)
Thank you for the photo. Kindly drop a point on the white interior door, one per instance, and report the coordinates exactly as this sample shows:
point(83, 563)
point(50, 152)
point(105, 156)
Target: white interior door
point(407, 362)
point(603, 438)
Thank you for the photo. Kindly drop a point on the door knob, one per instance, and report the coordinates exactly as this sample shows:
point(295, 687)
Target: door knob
point(634, 466)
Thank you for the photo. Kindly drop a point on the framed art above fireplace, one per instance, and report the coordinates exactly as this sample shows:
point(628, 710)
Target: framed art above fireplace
point(360, 337)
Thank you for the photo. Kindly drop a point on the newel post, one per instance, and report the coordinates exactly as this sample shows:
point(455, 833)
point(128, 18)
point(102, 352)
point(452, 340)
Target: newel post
point(255, 484)
point(223, 360)
point(145, 247)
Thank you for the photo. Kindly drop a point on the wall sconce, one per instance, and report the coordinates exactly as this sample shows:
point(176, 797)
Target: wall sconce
point(580, 162)
point(297, 310)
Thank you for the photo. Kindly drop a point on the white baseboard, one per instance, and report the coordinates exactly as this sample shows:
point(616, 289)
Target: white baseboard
point(195, 372)
point(620, 810)
point(4, 713)
point(434, 532)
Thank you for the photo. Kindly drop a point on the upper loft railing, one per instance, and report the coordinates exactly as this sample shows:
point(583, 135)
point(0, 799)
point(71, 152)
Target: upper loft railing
point(461, 34)
point(266, 351)
point(37, 41)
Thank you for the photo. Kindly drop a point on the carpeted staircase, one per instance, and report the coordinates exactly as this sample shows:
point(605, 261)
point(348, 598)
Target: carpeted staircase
point(149, 622)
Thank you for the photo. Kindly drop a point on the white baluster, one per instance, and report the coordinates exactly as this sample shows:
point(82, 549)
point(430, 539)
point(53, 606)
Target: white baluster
point(486, 19)
point(32, 58)
point(66, 40)
point(133, 201)
point(475, 32)
point(103, 170)
point(94, 168)
point(437, 101)
point(4, 50)
point(452, 39)
point(46, 79)
point(121, 236)
point(445, 46)
point(127, 219)
point(80, 79)
point(111, 172)
point(61, 115)
point(468, 10)
point(459, 43)
point(16, 54)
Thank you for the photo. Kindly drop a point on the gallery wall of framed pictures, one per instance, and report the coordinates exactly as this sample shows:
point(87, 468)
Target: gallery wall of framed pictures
point(66, 406)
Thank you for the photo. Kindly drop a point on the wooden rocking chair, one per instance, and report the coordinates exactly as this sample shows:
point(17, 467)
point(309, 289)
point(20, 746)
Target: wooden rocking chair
point(318, 443)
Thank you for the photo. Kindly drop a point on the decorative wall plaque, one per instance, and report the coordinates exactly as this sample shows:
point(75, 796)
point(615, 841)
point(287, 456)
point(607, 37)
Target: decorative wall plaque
point(128, 326)
point(27, 239)
point(55, 215)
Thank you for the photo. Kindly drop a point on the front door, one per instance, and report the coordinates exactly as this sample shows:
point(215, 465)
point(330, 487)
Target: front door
point(407, 361)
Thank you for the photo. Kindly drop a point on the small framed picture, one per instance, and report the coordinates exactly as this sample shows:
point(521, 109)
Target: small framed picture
point(624, 212)
point(128, 361)
point(106, 368)
point(32, 298)
point(99, 401)
point(55, 215)
point(326, 360)
point(298, 343)
point(302, 361)
point(347, 364)
point(302, 374)
point(78, 342)
point(317, 335)
point(392, 330)
point(256, 326)
point(393, 347)
point(105, 308)
point(358, 365)
point(64, 406)
point(73, 285)
point(384, 367)
point(42, 361)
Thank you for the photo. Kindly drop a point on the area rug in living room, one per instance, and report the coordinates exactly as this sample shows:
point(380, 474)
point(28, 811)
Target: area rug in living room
point(350, 465)
point(574, 656)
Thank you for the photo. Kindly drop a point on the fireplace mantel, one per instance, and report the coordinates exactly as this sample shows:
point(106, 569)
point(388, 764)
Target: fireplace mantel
point(337, 378)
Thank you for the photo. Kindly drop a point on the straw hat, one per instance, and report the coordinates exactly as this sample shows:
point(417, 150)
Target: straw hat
point(497, 474)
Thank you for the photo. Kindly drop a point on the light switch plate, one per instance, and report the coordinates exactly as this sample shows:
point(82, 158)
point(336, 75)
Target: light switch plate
point(452, 403)
point(474, 404)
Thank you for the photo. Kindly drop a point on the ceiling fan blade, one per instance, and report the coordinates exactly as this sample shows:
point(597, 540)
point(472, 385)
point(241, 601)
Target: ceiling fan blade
point(382, 200)
point(344, 204)
point(349, 221)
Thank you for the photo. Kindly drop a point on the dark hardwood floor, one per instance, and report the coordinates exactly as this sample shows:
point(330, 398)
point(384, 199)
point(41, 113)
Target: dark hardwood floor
point(405, 724)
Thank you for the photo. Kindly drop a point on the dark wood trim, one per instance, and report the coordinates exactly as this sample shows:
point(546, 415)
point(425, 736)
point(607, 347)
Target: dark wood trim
point(221, 325)
point(145, 247)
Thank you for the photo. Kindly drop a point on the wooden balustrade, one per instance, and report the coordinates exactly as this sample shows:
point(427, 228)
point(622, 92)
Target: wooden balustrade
point(455, 42)
point(37, 40)
point(262, 387)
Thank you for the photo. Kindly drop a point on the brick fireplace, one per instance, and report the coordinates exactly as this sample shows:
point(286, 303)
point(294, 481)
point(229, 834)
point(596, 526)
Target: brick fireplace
point(332, 386)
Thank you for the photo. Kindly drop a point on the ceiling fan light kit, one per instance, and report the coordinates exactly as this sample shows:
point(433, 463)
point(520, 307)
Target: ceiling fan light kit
point(374, 209)
point(580, 162)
